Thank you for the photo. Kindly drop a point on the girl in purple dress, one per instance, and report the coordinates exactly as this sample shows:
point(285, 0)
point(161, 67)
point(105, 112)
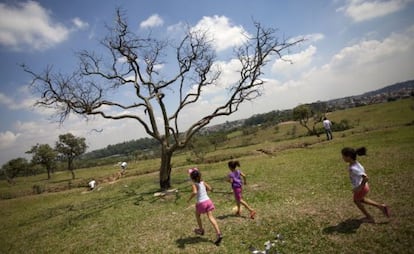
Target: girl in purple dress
point(235, 178)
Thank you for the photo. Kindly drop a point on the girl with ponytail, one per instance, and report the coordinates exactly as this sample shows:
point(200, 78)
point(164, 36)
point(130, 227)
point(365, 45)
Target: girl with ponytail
point(359, 181)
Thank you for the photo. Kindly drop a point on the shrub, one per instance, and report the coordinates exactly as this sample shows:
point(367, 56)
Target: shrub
point(342, 125)
point(38, 189)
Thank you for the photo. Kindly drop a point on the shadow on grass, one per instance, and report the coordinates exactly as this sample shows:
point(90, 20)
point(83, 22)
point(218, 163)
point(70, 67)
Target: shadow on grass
point(349, 226)
point(182, 242)
point(231, 215)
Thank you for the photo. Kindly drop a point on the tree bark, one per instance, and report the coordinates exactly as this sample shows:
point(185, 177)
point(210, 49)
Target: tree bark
point(70, 167)
point(48, 174)
point(165, 169)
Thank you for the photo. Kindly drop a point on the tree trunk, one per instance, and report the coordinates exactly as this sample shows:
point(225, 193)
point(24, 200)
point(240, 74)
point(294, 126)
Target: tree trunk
point(70, 167)
point(48, 173)
point(165, 169)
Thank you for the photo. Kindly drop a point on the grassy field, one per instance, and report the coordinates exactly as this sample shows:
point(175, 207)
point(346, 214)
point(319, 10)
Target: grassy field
point(300, 190)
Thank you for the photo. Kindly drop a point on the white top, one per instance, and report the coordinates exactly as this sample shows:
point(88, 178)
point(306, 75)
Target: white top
point(201, 192)
point(123, 164)
point(92, 184)
point(327, 124)
point(356, 171)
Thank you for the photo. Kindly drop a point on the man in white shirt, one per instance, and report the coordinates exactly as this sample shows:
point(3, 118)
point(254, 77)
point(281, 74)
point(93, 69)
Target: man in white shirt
point(123, 167)
point(327, 125)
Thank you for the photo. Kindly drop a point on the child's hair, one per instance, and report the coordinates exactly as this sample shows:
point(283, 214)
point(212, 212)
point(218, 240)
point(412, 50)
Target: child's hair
point(195, 176)
point(352, 153)
point(233, 164)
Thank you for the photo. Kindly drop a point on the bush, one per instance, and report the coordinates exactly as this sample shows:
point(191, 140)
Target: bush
point(38, 189)
point(342, 125)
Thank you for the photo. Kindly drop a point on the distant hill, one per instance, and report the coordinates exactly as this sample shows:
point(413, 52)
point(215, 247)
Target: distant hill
point(391, 92)
point(392, 88)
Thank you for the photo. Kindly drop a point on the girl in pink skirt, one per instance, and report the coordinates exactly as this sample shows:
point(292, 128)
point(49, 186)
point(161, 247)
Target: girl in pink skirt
point(204, 204)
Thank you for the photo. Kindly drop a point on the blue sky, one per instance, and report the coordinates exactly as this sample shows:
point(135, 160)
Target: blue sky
point(352, 46)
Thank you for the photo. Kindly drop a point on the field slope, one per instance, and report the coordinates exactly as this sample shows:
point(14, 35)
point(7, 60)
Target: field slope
point(300, 190)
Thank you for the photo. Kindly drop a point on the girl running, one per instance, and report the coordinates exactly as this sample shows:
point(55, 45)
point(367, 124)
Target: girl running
point(235, 178)
point(203, 205)
point(359, 181)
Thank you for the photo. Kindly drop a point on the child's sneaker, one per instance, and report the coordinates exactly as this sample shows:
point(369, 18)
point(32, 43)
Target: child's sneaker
point(199, 231)
point(218, 240)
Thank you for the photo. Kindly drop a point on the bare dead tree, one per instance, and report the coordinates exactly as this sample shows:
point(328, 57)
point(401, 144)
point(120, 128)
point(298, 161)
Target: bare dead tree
point(87, 90)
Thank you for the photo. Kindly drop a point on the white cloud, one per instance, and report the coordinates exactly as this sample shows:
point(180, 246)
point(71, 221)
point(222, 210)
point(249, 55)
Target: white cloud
point(7, 139)
point(80, 24)
point(309, 38)
point(158, 67)
point(294, 63)
point(29, 25)
point(177, 28)
point(152, 21)
point(5, 100)
point(314, 37)
point(361, 67)
point(224, 34)
point(361, 10)
point(23, 99)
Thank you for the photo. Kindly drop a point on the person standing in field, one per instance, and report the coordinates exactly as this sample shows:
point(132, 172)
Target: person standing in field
point(204, 204)
point(235, 178)
point(359, 181)
point(123, 167)
point(327, 125)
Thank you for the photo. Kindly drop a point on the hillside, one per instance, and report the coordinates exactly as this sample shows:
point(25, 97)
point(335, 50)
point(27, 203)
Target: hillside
point(148, 146)
point(395, 88)
point(300, 189)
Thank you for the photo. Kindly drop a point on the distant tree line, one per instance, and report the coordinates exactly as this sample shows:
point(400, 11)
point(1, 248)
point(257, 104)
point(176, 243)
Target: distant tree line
point(270, 118)
point(44, 157)
point(128, 148)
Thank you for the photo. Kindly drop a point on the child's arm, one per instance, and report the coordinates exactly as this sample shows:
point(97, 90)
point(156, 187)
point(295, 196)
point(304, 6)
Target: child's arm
point(208, 187)
point(229, 179)
point(363, 182)
point(244, 178)
point(193, 193)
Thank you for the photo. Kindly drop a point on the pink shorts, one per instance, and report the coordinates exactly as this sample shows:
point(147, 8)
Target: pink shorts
point(205, 206)
point(237, 194)
point(359, 195)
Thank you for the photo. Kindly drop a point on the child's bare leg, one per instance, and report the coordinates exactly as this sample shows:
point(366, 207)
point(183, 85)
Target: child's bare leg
point(382, 207)
point(213, 222)
point(200, 224)
point(363, 210)
point(372, 202)
point(246, 205)
point(238, 207)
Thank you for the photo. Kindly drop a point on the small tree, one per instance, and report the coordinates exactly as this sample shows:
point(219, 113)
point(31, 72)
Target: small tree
point(217, 138)
point(86, 90)
point(14, 167)
point(199, 146)
point(43, 155)
point(303, 113)
point(70, 147)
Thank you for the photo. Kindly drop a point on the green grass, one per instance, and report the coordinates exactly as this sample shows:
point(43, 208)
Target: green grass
point(301, 192)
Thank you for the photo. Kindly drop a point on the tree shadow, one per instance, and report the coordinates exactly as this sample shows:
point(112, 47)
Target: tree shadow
point(231, 215)
point(182, 242)
point(349, 226)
